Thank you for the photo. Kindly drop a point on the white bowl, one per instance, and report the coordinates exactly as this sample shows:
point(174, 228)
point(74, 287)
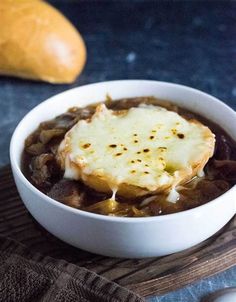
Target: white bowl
point(120, 236)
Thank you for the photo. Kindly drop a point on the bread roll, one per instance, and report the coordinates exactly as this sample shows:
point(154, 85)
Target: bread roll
point(37, 42)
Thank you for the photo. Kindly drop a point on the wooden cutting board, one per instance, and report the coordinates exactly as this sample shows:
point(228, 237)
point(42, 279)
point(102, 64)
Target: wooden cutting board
point(146, 277)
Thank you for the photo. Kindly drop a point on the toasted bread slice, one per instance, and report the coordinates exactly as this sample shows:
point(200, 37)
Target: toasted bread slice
point(135, 152)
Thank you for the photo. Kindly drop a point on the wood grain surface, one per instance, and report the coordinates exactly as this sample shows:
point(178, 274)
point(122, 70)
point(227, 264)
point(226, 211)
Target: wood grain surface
point(144, 276)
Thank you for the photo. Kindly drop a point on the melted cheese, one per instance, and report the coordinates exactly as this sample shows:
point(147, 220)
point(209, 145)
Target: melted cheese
point(147, 146)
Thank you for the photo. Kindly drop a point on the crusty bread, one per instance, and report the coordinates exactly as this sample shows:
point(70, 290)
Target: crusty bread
point(103, 182)
point(85, 154)
point(37, 42)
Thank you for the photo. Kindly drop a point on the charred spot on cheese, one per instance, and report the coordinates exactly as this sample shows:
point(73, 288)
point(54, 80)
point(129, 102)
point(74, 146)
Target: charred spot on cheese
point(128, 157)
point(86, 146)
point(162, 149)
point(174, 131)
point(180, 135)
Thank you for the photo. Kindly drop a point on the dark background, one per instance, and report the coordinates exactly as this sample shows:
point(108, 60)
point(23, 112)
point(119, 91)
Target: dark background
point(187, 42)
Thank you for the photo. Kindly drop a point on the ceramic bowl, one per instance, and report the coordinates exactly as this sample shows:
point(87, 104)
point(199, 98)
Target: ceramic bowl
point(121, 236)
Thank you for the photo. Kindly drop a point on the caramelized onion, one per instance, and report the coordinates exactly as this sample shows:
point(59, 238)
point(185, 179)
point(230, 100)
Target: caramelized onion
point(67, 192)
point(225, 169)
point(223, 149)
point(36, 149)
point(47, 135)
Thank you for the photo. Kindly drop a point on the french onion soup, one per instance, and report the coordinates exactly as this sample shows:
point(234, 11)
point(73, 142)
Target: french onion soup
point(132, 157)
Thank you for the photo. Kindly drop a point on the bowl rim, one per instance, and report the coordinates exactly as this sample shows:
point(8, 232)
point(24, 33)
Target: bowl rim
point(18, 172)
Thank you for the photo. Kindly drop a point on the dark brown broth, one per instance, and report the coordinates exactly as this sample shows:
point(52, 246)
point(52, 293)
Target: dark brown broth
point(40, 167)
